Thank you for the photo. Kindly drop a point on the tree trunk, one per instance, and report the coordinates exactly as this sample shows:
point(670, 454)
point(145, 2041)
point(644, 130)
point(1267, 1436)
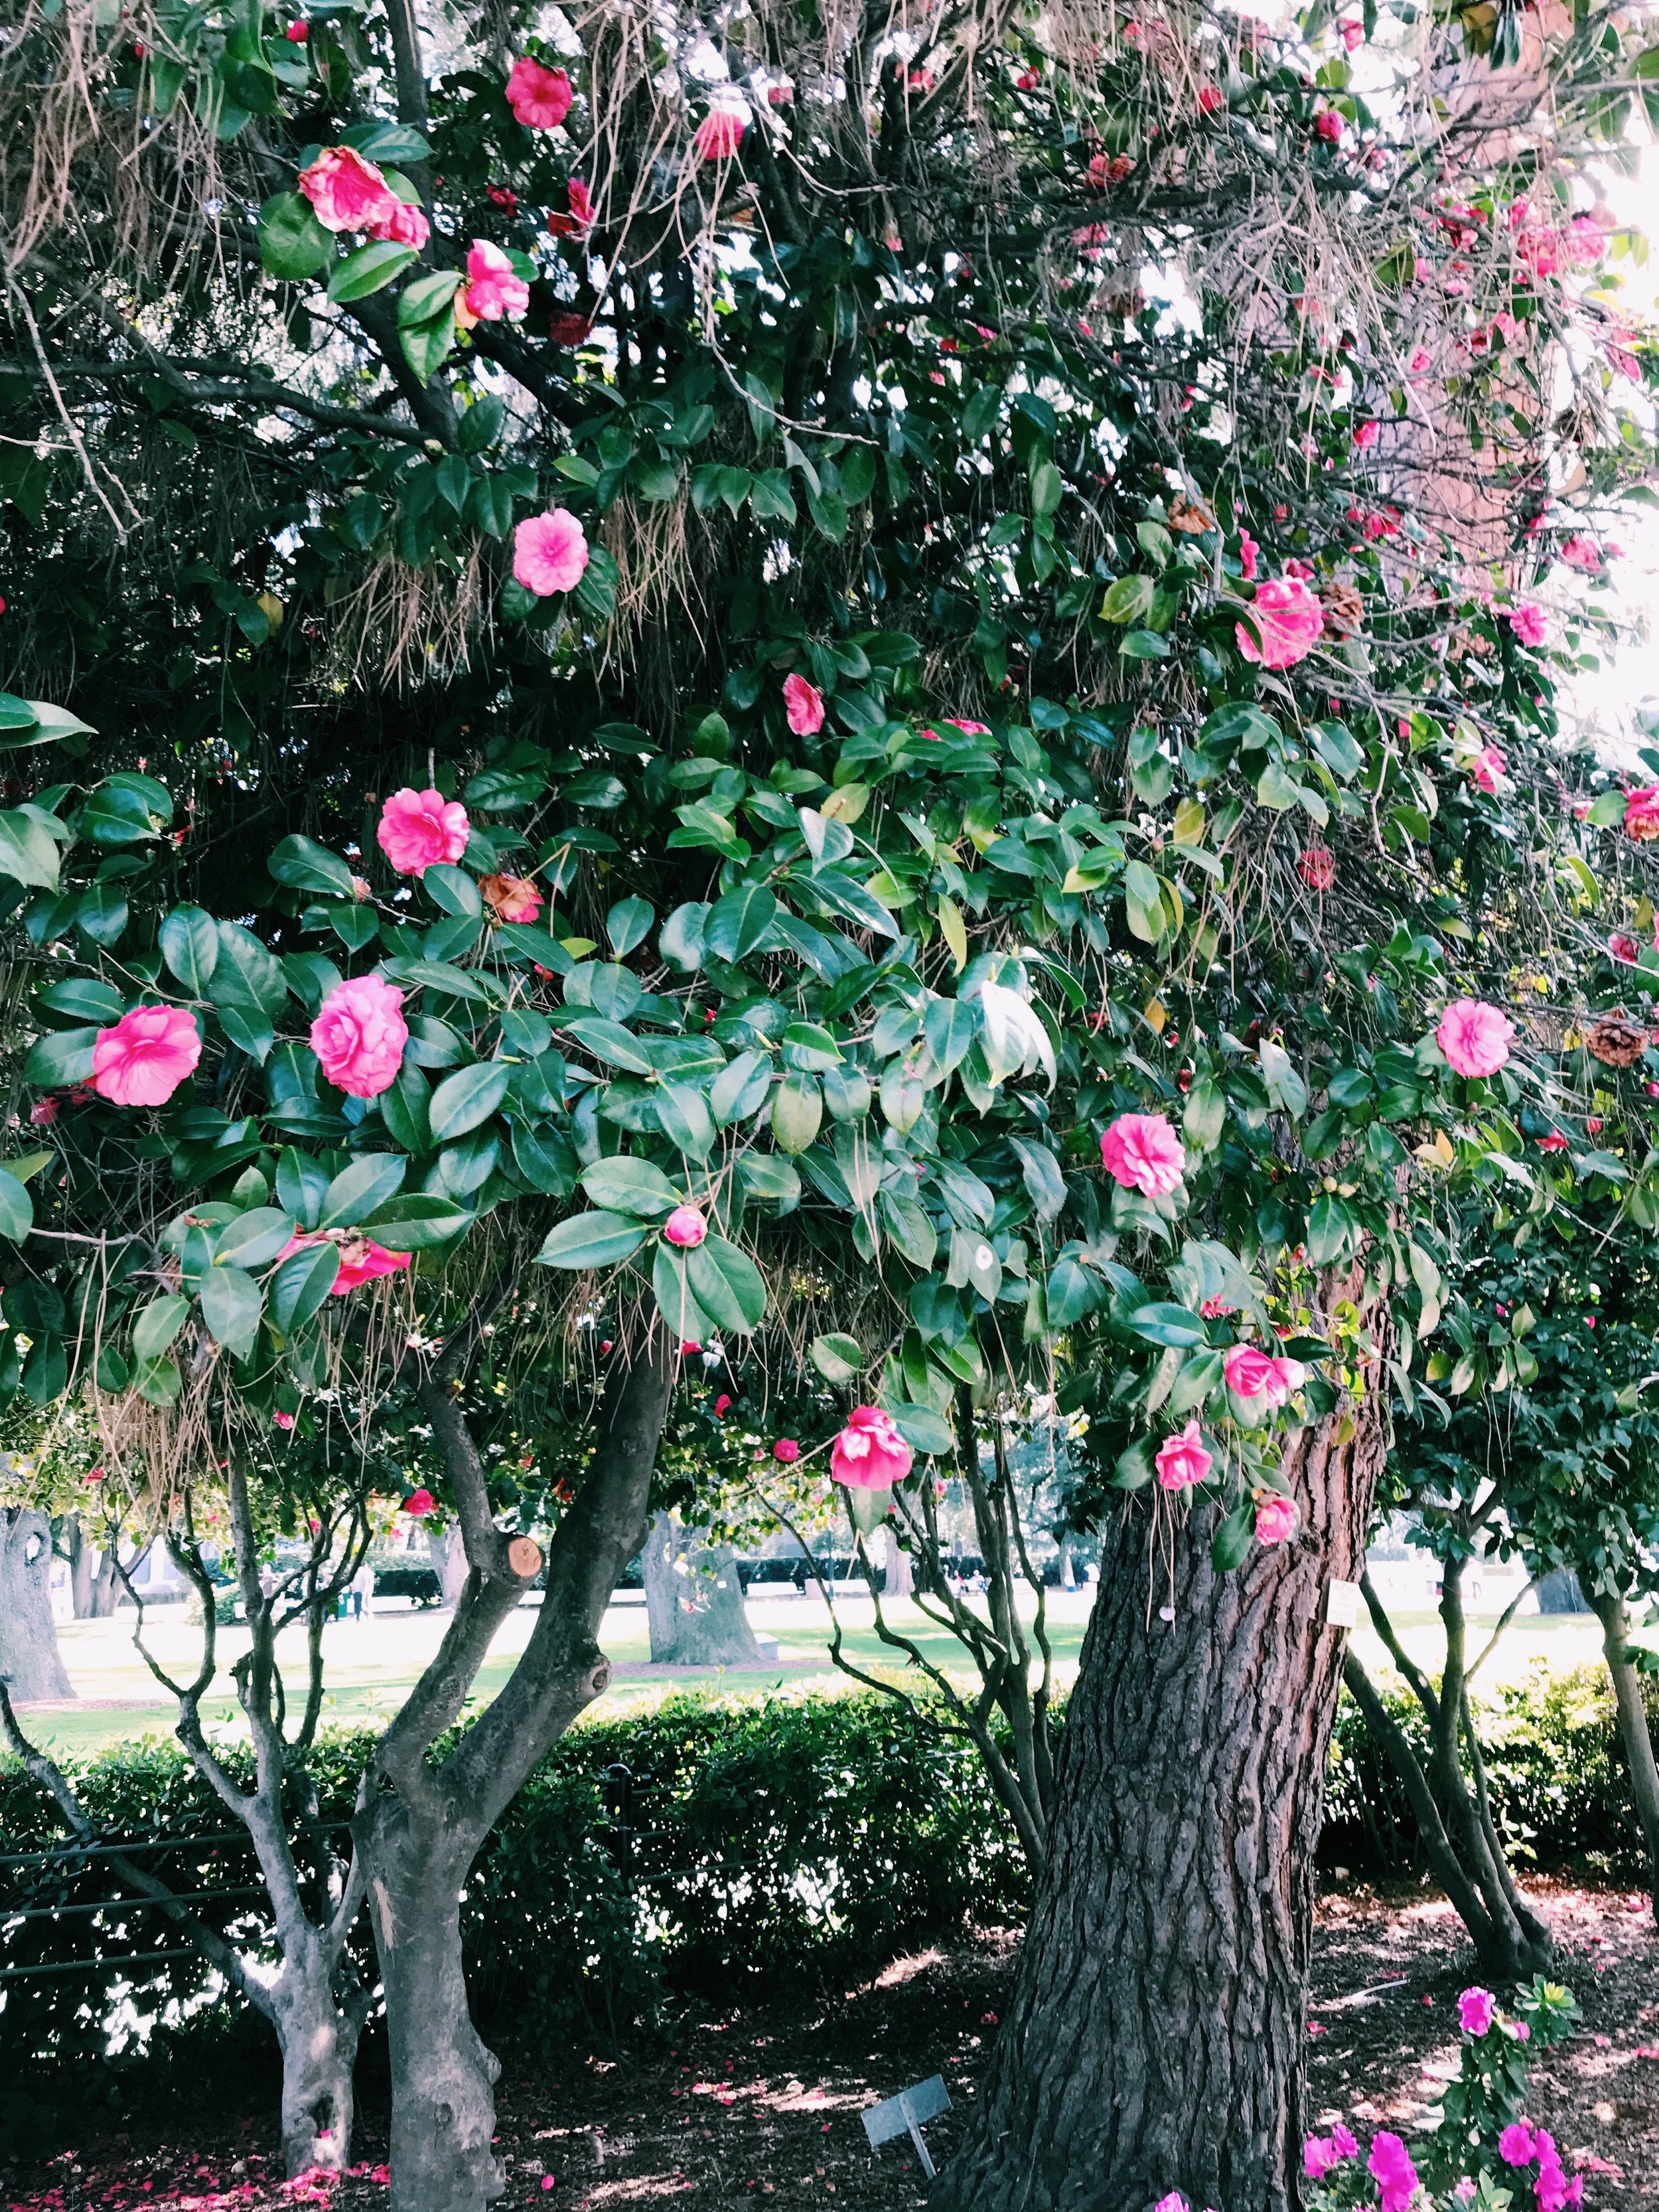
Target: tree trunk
point(1633, 1729)
point(1154, 2039)
point(662, 1604)
point(420, 1826)
point(80, 1555)
point(900, 1582)
point(1454, 1822)
point(107, 1589)
point(30, 1661)
point(449, 1560)
point(318, 2041)
point(443, 2074)
point(694, 1600)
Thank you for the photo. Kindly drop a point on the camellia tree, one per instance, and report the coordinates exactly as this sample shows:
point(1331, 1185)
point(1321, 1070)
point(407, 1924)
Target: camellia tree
point(832, 768)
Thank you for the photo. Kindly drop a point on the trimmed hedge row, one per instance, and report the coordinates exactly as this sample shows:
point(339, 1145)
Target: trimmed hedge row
point(759, 1839)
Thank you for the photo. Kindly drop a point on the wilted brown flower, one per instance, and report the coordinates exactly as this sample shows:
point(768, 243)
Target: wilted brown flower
point(1617, 1041)
point(1190, 516)
point(1344, 610)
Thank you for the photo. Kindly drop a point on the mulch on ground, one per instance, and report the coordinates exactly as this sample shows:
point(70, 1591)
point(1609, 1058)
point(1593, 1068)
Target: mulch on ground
point(764, 2104)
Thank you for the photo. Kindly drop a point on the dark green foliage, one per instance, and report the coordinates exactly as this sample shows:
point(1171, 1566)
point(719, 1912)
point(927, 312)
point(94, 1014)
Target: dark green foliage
point(1559, 1788)
point(775, 1839)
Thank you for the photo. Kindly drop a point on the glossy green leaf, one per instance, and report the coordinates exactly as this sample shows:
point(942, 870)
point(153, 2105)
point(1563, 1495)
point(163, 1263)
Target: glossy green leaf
point(592, 1240)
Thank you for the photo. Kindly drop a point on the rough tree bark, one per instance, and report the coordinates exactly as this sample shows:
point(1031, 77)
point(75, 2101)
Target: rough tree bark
point(694, 1600)
point(898, 1580)
point(1449, 1796)
point(31, 1665)
point(74, 1549)
point(419, 1826)
point(1154, 2038)
point(1632, 1727)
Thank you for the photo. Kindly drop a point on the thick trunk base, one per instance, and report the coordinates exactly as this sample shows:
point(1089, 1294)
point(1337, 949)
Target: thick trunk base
point(1154, 2041)
point(694, 1601)
point(443, 2077)
point(318, 2108)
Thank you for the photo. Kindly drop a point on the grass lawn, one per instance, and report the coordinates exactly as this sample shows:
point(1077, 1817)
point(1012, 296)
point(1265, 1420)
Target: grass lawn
point(372, 1663)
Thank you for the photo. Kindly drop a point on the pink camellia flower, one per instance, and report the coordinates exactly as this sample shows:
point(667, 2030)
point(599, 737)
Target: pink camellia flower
point(297, 32)
point(803, 703)
point(1515, 2144)
point(685, 1226)
point(1317, 867)
point(1174, 2201)
point(1528, 623)
point(1555, 1142)
point(539, 97)
point(419, 1504)
point(1249, 1371)
point(1474, 1037)
point(144, 1059)
point(1290, 619)
point(566, 328)
point(1580, 552)
point(719, 134)
point(347, 192)
point(1420, 359)
point(1181, 1460)
point(1367, 434)
point(1476, 2009)
point(786, 1451)
point(1343, 2143)
point(1328, 123)
point(582, 210)
point(1210, 97)
point(1248, 550)
point(283, 1420)
point(511, 898)
point(1353, 32)
point(722, 1407)
point(406, 225)
point(493, 288)
point(1143, 1152)
point(1391, 2168)
point(361, 1260)
point(968, 729)
point(1275, 1519)
point(688, 1346)
point(359, 1036)
point(43, 1113)
point(1642, 813)
point(870, 1453)
point(1489, 764)
point(780, 95)
point(1623, 948)
point(549, 552)
point(420, 828)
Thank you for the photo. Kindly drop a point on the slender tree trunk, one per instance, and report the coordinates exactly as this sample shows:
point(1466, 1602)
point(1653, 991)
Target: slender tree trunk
point(1154, 2039)
point(901, 1582)
point(1632, 1728)
point(108, 1585)
point(1454, 1819)
point(420, 1827)
point(79, 1554)
point(449, 1560)
point(30, 1661)
point(661, 1600)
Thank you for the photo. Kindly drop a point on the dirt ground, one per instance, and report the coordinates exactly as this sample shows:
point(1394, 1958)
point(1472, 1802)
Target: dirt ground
point(765, 2104)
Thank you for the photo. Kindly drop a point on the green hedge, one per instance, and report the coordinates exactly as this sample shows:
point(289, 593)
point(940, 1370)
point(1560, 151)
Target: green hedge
point(771, 1839)
point(789, 1836)
point(1561, 1787)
